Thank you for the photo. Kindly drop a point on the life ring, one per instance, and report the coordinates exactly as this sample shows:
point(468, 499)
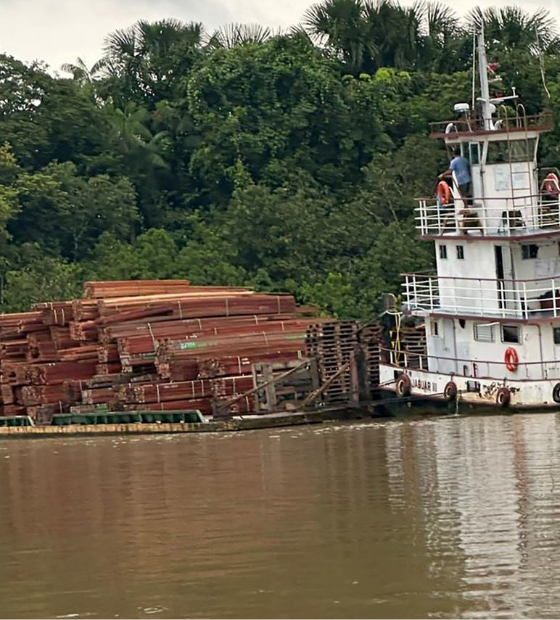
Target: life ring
point(511, 359)
point(450, 391)
point(503, 397)
point(443, 193)
point(551, 185)
point(404, 386)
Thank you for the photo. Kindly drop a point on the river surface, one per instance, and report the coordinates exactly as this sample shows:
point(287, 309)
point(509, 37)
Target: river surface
point(441, 517)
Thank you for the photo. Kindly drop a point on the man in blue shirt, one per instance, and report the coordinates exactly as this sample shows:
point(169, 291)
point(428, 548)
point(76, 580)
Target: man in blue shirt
point(462, 169)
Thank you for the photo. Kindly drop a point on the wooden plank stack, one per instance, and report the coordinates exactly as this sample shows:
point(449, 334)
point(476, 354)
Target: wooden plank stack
point(413, 341)
point(371, 340)
point(332, 343)
point(153, 344)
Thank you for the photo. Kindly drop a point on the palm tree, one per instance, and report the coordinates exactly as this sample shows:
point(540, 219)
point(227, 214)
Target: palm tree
point(368, 34)
point(134, 139)
point(233, 35)
point(340, 25)
point(446, 45)
point(395, 31)
point(81, 73)
point(145, 61)
point(510, 28)
point(158, 38)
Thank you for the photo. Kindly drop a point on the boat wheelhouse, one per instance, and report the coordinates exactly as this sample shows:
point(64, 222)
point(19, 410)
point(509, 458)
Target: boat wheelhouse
point(491, 310)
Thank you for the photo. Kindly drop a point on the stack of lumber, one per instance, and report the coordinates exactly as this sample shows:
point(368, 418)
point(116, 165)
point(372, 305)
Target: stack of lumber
point(332, 344)
point(371, 340)
point(413, 342)
point(151, 345)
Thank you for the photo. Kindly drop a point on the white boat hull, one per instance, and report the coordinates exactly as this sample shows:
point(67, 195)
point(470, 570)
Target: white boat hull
point(473, 391)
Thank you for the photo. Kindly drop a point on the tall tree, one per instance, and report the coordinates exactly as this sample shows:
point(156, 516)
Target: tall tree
point(147, 61)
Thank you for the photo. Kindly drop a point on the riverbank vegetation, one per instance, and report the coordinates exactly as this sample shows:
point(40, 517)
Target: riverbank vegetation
point(285, 161)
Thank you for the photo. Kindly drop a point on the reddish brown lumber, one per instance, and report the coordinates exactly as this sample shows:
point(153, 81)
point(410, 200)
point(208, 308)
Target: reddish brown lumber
point(122, 288)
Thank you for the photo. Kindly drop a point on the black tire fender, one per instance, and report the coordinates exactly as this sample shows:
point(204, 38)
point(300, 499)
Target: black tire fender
point(556, 393)
point(503, 397)
point(450, 391)
point(404, 386)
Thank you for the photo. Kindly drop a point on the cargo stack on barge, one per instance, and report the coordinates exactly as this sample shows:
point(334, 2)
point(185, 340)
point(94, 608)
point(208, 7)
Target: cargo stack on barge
point(166, 352)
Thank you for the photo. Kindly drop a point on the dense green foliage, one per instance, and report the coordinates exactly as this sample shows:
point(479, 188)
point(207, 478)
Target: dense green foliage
point(285, 162)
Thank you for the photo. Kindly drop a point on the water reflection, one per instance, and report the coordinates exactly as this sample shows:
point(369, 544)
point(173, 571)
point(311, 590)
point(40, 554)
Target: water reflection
point(439, 517)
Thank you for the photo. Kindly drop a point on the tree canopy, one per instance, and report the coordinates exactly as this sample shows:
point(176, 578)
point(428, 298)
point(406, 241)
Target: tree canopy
point(281, 160)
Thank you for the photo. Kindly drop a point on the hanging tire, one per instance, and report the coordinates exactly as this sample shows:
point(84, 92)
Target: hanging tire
point(503, 397)
point(404, 386)
point(450, 391)
point(556, 393)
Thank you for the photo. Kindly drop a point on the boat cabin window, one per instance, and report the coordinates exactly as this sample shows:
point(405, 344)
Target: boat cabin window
point(483, 332)
point(442, 251)
point(474, 153)
point(529, 251)
point(435, 328)
point(556, 331)
point(506, 151)
point(460, 252)
point(511, 333)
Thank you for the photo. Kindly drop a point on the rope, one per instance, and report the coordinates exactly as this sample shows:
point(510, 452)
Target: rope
point(152, 336)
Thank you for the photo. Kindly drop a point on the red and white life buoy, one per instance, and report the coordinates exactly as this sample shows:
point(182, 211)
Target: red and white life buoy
point(443, 193)
point(551, 185)
point(511, 359)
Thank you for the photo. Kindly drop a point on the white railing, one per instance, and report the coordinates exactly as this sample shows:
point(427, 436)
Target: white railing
point(519, 122)
point(513, 216)
point(470, 368)
point(520, 299)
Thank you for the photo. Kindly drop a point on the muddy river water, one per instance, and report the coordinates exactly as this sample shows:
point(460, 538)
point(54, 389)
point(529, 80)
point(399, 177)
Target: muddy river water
point(439, 517)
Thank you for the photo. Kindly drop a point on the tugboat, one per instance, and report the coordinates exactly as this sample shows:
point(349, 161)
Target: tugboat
point(491, 311)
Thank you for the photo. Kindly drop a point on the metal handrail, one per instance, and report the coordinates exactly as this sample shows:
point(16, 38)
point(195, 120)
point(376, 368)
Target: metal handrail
point(434, 274)
point(485, 198)
point(512, 215)
point(507, 298)
point(420, 361)
point(466, 360)
point(476, 125)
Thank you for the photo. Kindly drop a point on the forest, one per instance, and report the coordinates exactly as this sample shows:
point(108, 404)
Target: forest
point(286, 161)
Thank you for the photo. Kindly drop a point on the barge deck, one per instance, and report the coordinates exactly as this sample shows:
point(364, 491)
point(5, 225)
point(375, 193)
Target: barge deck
point(235, 424)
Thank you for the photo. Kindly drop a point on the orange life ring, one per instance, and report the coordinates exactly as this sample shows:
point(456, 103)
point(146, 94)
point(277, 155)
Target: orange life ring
point(551, 184)
point(511, 359)
point(443, 193)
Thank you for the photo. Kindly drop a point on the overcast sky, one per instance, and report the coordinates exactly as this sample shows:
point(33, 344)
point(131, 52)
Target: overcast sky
point(58, 31)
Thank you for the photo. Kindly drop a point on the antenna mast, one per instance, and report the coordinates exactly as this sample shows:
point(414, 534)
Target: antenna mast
point(484, 88)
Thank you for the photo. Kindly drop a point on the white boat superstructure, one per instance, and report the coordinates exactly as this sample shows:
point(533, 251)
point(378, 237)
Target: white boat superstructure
point(492, 308)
